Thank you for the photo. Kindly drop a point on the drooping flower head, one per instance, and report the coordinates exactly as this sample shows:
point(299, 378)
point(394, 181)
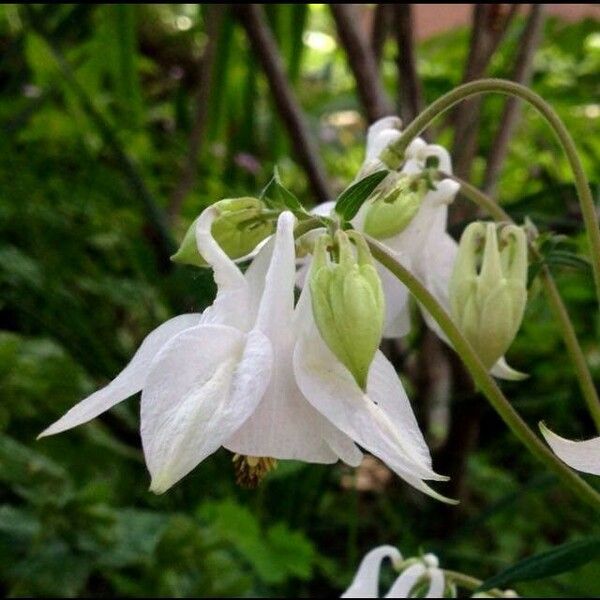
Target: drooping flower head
point(488, 288)
point(418, 577)
point(347, 301)
point(253, 374)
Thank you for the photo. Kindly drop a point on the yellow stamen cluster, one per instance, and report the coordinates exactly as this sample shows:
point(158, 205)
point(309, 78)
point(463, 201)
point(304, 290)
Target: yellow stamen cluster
point(251, 470)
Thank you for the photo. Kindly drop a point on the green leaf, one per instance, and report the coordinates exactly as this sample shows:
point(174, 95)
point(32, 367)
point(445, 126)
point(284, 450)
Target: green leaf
point(277, 196)
point(275, 554)
point(568, 259)
point(352, 198)
point(546, 564)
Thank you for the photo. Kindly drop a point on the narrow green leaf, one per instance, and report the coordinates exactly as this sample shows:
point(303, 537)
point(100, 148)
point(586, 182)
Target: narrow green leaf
point(126, 75)
point(278, 196)
point(352, 198)
point(220, 104)
point(546, 564)
point(568, 259)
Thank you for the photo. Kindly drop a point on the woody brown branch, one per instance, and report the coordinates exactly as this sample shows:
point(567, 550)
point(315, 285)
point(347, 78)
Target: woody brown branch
point(262, 41)
point(362, 62)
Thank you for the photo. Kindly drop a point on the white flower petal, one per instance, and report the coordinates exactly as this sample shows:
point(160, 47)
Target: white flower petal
point(204, 384)
point(391, 122)
point(386, 390)
point(443, 194)
point(583, 456)
point(444, 161)
point(436, 583)
point(284, 424)
point(129, 381)
point(255, 278)
point(231, 303)
point(396, 294)
point(407, 580)
point(503, 370)
point(380, 135)
point(324, 209)
point(434, 269)
point(366, 581)
point(303, 271)
point(415, 149)
point(332, 390)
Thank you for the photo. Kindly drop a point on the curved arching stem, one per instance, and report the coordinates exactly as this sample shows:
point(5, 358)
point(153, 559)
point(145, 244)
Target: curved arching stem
point(584, 377)
point(394, 154)
point(482, 378)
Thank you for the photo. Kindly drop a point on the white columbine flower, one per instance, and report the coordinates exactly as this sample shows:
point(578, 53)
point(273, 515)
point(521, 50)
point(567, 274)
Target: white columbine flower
point(420, 571)
point(252, 374)
point(582, 456)
point(410, 220)
point(419, 578)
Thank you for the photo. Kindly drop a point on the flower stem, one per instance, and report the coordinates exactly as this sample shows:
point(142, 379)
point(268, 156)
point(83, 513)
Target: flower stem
point(394, 155)
point(308, 225)
point(482, 378)
point(584, 377)
point(469, 583)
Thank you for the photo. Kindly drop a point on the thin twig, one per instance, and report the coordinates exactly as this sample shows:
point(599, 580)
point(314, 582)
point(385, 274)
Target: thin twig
point(380, 30)
point(362, 62)
point(490, 25)
point(263, 43)
point(214, 17)
point(522, 74)
point(411, 93)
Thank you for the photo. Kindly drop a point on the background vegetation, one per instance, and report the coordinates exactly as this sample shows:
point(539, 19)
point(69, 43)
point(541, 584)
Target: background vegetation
point(112, 142)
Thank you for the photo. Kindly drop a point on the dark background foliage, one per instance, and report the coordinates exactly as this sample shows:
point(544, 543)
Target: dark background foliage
point(119, 124)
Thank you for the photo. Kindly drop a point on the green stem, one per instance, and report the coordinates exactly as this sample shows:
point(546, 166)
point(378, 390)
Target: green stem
point(483, 379)
point(469, 583)
point(307, 225)
point(584, 377)
point(394, 155)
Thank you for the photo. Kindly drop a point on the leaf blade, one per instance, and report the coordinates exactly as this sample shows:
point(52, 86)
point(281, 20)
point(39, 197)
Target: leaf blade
point(552, 562)
point(352, 198)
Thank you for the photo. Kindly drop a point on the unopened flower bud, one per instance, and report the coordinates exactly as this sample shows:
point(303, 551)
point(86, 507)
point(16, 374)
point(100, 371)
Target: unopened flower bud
point(348, 303)
point(394, 208)
point(239, 227)
point(488, 288)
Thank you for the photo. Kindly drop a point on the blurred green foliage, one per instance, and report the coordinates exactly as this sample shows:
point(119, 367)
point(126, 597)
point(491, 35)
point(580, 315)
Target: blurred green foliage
point(82, 280)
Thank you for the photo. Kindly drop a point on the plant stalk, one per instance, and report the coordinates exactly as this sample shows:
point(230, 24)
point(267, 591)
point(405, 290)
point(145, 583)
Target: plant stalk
point(394, 155)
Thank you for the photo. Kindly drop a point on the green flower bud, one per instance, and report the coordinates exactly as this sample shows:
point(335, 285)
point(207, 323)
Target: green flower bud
point(394, 208)
point(239, 228)
point(488, 287)
point(347, 302)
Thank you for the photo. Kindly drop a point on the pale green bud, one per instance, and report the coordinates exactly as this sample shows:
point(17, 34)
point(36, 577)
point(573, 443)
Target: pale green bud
point(239, 227)
point(488, 287)
point(347, 302)
point(394, 208)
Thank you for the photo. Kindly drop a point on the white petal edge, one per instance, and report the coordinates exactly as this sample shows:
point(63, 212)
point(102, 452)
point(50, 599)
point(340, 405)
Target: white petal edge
point(366, 581)
point(407, 580)
point(285, 425)
point(204, 384)
point(502, 370)
point(129, 381)
point(331, 389)
point(582, 456)
point(386, 390)
point(436, 583)
point(230, 306)
point(324, 209)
